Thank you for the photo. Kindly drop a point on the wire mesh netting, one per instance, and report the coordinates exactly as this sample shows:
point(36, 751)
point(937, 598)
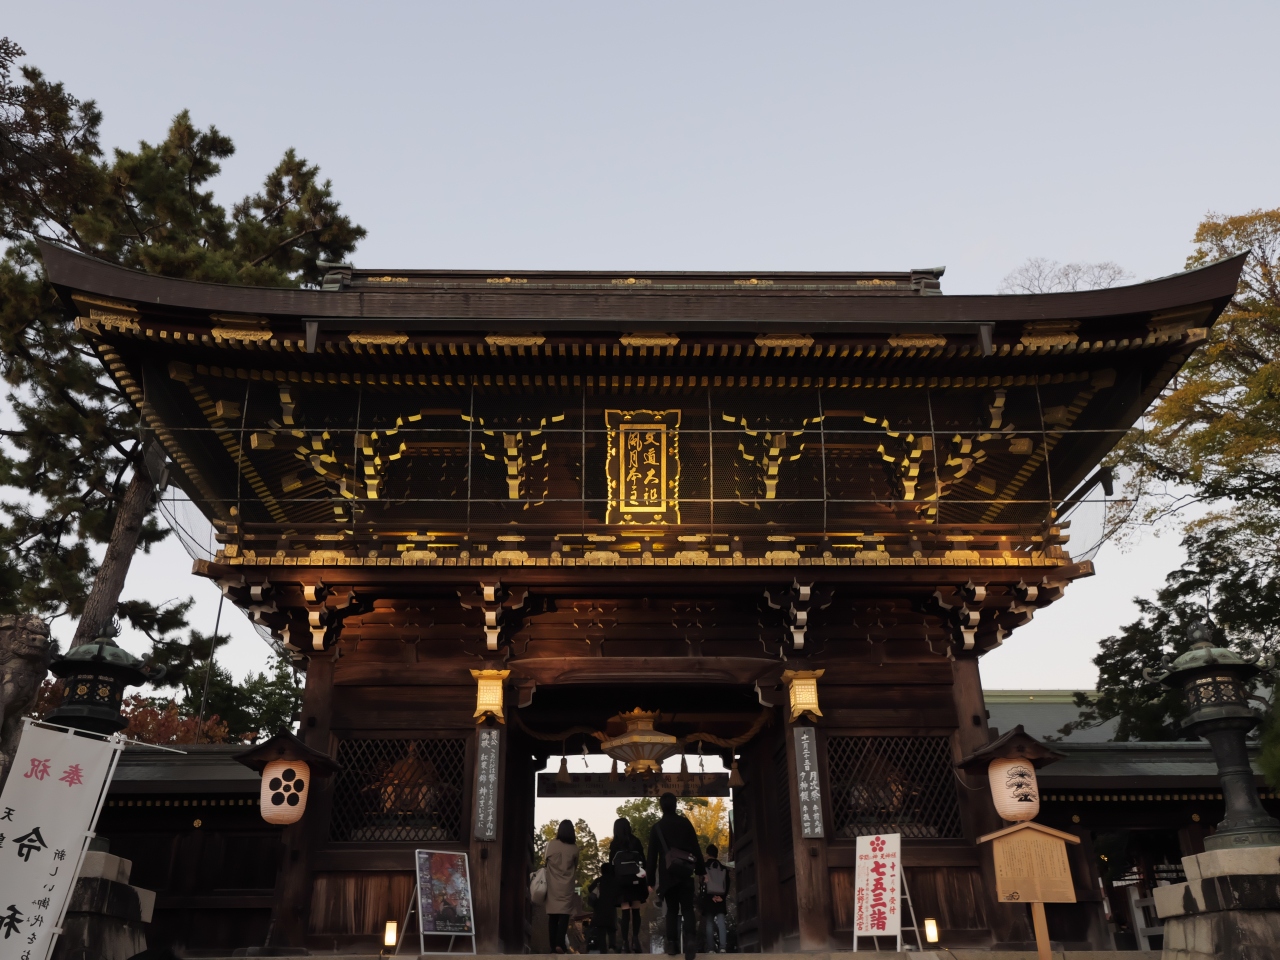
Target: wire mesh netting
point(893, 785)
point(398, 790)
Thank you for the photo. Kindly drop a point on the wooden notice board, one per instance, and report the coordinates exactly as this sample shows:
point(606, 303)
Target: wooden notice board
point(1032, 867)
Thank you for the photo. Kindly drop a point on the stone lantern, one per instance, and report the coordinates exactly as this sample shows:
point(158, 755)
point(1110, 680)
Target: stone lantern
point(1216, 683)
point(94, 676)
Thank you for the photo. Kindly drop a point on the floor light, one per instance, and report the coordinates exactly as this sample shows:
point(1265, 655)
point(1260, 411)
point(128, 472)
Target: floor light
point(930, 930)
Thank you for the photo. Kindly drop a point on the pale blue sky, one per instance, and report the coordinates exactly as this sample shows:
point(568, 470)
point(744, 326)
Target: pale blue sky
point(721, 136)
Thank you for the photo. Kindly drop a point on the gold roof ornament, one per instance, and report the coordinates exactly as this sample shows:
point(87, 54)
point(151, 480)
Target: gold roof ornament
point(641, 747)
point(489, 693)
point(802, 687)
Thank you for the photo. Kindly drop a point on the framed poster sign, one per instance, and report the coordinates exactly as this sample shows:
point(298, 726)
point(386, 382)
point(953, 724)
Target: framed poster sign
point(876, 887)
point(443, 897)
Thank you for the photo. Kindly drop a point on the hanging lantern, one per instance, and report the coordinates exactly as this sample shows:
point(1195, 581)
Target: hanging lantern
point(641, 747)
point(288, 767)
point(285, 787)
point(1010, 762)
point(1014, 790)
point(489, 693)
point(802, 689)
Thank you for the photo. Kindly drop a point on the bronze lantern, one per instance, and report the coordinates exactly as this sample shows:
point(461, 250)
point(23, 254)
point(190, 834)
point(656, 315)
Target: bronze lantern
point(94, 676)
point(1217, 683)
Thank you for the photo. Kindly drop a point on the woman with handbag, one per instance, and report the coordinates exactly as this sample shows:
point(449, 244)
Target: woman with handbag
point(562, 864)
point(626, 853)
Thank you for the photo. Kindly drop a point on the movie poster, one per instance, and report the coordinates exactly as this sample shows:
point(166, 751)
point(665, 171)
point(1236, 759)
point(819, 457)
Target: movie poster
point(444, 893)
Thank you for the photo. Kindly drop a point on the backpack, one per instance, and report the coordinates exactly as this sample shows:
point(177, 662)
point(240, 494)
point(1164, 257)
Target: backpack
point(717, 879)
point(627, 864)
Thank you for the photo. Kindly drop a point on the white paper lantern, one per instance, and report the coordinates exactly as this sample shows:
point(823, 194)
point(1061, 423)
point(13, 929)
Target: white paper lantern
point(1014, 789)
point(285, 785)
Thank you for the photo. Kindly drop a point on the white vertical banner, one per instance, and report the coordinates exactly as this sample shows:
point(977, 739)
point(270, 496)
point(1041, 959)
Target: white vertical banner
point(877, 886)
point(48, 810)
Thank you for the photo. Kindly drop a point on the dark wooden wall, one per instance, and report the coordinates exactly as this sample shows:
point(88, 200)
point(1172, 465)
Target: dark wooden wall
point(213, 881)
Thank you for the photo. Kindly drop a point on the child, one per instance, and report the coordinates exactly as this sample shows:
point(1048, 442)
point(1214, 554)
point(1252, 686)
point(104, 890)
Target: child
point(602, 895)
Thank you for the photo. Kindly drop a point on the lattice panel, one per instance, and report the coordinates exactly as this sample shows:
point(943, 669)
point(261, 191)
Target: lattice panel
point(893, 785)
point(396, 790)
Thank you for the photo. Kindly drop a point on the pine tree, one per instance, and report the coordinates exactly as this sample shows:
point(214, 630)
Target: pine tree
point(73, 455)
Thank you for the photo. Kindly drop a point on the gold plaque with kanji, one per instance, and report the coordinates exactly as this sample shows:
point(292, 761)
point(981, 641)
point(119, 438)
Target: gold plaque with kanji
point(643, 466)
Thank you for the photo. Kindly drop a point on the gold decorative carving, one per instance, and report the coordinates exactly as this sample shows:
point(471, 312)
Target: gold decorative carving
point(632, 282)
point(649, 340)
point(513, 450)
point(773, 453)
point(121, 321)
point(506, 280)
point(515, 340)
point(116, 306)
point(1050, 333)
point(784, 340)
point(802, 689)
point(229, 326)
point(917, 340)
point(643, 466)
point(379, 339)
point(753, 282)
point(386, 279)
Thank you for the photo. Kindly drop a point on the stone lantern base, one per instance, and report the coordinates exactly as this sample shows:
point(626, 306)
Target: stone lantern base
point(106, 917)
point(1228, 908)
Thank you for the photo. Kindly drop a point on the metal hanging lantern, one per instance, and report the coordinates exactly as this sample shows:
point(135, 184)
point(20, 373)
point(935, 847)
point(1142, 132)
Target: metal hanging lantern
point(288, 767)
point(1216, 683)
point(641, 747)
point(94, 676)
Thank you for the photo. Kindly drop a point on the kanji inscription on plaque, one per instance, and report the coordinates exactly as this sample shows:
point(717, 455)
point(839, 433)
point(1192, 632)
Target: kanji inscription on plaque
point(643, 466)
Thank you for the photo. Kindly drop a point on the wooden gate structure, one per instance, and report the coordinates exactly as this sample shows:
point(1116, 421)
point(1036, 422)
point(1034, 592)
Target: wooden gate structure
point(747, 502)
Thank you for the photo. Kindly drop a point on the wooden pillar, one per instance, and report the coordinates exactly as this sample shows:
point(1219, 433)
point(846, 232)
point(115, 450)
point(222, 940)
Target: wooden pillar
point(292, 910)
point(486, 854)
point(1009, 922)
point(813, 882)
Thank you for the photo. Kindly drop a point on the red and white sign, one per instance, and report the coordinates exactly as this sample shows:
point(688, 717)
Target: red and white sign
point(47, 812)
point(877, 886)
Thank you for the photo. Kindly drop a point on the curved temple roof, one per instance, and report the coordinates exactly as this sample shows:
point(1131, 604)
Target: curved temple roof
point(542, 301)
point(858, 421)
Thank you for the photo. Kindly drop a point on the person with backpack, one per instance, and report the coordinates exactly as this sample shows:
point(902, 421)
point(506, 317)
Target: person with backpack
point(602, 898)
point(626, 853)
point(561, 861)
point(715, 901)
point(675, 859)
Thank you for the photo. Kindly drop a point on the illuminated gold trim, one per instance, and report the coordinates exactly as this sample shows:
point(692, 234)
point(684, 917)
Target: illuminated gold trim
point(784, 340)
point(503, 340)
point(377, 339)
point(917, 340)
point(649, 340)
